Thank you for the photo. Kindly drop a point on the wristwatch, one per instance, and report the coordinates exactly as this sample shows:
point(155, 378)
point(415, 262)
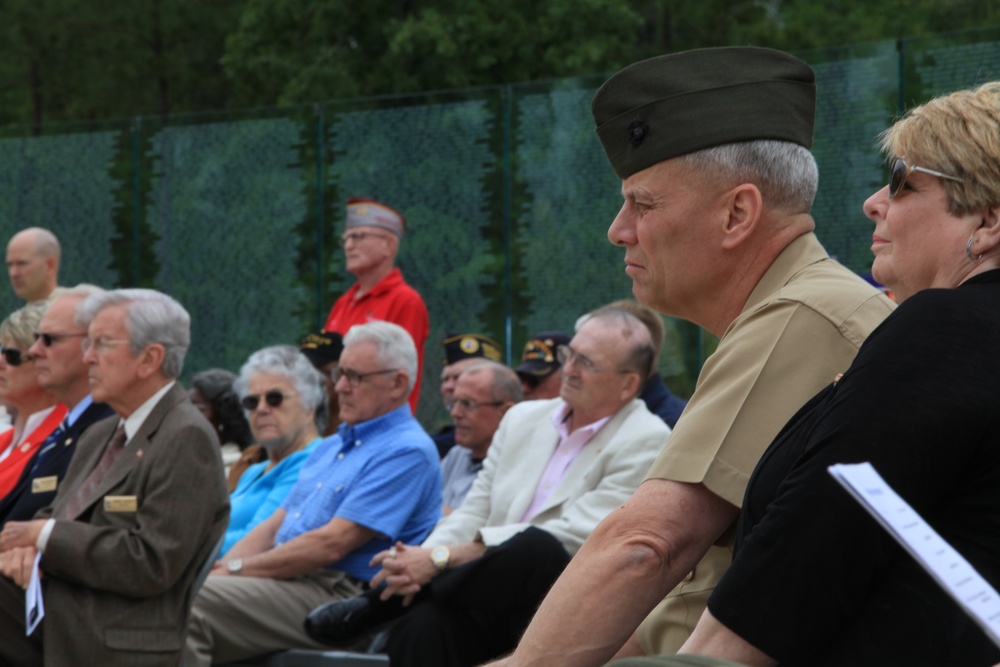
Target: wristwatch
point(235, 566)
point(440, 557)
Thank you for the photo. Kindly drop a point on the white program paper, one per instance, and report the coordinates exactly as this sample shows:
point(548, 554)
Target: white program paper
point(952, 572)
point(34, 608)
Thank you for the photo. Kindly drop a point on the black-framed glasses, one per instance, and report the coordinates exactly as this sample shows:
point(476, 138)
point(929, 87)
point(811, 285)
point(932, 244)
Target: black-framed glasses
point(13, 356)
point(48, 340)
point(900, 171)
point(468, 406)
point(273, 398)
point(354, 378)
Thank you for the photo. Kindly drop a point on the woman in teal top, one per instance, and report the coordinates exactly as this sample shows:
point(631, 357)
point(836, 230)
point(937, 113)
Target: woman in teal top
point(281, 392)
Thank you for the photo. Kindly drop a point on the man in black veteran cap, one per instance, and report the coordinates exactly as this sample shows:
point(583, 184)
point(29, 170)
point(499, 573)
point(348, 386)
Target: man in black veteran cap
point(539, 367)
point(460, 352)
point(323, 349)
point(712, 147)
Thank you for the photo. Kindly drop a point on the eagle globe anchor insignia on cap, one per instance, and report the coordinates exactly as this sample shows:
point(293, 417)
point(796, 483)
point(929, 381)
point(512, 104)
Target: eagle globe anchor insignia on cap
point(637, 132)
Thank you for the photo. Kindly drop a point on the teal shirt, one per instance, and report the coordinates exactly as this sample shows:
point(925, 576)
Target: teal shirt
point(260, 493)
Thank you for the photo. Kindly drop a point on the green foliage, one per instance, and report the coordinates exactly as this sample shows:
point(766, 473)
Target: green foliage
point(66, 60)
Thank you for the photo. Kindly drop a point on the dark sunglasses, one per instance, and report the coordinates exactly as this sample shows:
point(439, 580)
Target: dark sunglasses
point(273, 398)
point(12, 356)
point(48, 340)
point(900, 171)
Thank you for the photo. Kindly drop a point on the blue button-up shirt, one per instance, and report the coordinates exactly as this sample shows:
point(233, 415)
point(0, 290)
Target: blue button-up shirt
point(383, 474)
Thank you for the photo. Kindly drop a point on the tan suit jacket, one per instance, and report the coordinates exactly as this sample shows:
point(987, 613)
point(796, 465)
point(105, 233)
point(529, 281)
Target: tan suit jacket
point(117, 584)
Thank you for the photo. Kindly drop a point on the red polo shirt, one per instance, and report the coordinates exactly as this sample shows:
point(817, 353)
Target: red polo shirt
point(391, 300)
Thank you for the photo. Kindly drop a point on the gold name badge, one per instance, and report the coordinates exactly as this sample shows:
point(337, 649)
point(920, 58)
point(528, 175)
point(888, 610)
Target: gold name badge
point(43, 484)
point(120, 504)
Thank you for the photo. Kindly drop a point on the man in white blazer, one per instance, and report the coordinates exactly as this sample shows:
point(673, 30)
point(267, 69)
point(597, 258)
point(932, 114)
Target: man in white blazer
point(554, 470)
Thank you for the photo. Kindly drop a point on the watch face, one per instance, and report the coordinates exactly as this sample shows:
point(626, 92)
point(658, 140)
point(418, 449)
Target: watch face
point(439, 556)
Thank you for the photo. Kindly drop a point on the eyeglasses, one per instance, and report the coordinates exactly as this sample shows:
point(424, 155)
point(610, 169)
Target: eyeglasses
point(567, 355)
point(468, 406)
point(358, 237)
point(273, 398)
point(100, 344)
point(48, 340)
point(354, 378)
point(900, 171)
point(13, 356)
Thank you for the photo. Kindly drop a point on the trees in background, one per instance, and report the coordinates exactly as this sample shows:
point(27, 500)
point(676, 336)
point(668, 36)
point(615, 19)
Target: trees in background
point(67, 60)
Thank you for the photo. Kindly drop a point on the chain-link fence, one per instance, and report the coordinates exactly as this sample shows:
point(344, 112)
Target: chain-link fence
point(506, 191)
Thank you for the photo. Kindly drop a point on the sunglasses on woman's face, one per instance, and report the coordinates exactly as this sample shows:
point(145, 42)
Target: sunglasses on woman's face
point(12, 356)
point(273, 398)
point(900, 171)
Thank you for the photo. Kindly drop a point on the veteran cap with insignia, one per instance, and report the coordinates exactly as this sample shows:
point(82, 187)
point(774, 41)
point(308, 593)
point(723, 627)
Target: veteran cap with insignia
point(470, 346)
point(680, 103)
point(363, 212)
point(539, 357)
point(322, 347)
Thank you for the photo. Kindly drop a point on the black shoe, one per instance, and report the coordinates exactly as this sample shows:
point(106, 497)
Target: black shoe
point(343, 622)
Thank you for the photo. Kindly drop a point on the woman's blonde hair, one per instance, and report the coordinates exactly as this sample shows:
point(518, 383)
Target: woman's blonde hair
point(20, 326)
point(957, 134)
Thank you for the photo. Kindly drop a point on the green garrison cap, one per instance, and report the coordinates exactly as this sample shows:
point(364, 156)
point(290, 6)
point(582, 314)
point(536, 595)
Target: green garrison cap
point(680, 103)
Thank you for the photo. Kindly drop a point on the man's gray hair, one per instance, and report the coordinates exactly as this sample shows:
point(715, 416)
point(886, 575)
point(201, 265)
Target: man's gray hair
point(150, 317)
point(786, 173)
point(288, 362)
point(395, 345)
point(505, 385)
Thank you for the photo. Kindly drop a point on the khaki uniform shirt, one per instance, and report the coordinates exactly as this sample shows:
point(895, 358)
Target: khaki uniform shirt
point(803, 324)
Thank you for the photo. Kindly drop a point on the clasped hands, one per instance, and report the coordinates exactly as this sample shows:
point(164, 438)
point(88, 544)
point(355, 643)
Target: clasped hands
point(405, 570)
point(17, 550)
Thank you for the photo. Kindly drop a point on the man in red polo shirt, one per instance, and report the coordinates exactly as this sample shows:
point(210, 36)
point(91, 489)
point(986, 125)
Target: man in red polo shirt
point(371, 241)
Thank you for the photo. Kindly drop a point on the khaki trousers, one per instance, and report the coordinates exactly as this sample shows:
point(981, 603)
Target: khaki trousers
point(235, 618)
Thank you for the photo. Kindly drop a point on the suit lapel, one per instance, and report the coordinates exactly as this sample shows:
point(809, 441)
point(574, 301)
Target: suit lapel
point(571, 481)
point(136, 447)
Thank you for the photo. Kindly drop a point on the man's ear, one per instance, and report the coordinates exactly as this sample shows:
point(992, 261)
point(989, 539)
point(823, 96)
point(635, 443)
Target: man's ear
point(744, 207)
point(400, 384)
point(151, 360)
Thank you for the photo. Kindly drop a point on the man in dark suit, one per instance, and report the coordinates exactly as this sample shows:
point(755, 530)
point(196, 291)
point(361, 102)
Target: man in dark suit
point(61, 371)
point(141, 509)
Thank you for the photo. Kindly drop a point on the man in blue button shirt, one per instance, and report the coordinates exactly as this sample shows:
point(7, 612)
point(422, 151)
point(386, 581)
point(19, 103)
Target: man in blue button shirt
point(376, 481)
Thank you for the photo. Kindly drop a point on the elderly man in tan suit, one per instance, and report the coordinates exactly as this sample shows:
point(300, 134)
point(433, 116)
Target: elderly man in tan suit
point(142, 506)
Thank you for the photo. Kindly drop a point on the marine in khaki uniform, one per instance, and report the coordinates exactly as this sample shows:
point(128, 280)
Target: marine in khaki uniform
point(712, 147)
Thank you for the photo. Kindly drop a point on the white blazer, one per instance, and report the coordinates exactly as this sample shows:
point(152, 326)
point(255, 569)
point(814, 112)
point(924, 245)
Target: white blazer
point(604, 475)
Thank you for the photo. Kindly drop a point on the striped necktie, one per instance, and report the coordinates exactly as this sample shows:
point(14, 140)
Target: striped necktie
point(50, 443)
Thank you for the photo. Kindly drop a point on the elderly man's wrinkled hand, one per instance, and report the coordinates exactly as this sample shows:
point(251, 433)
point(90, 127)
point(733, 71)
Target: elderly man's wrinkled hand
point(17, 564)
point(20, 534)
point(405, 570)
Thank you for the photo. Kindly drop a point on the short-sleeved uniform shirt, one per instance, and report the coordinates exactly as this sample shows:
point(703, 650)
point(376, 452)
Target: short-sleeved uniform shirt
point(383, 474)
point(801, 326)
point(391, 300)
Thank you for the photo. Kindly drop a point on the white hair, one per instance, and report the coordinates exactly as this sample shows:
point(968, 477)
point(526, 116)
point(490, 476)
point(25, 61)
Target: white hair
point(395, 345)
point(290, 363)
